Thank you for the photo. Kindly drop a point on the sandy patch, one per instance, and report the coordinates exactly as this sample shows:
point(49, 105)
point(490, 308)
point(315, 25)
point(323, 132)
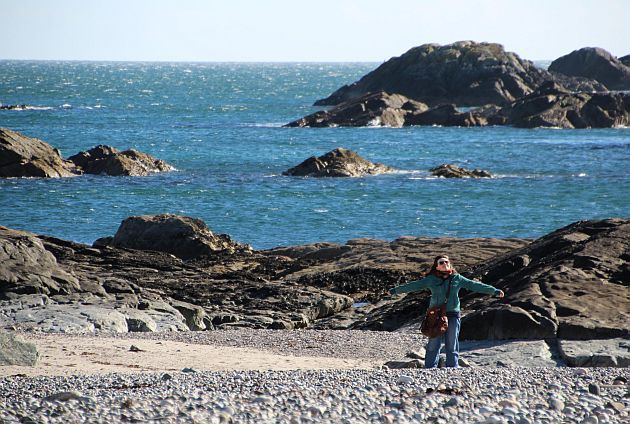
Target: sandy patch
point(66, 355)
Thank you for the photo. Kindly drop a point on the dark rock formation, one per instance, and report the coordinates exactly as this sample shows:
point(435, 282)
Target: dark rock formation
point(109, 161)
point(465, 73)
point(14, 107)
point(371, 109)
point(454, 171)
point(570, 284)
point(337, 163)
point(181, 236)
point(447, 116)
point(625, 60)
point(594, 63)
point(552, 106)
point(22, 156)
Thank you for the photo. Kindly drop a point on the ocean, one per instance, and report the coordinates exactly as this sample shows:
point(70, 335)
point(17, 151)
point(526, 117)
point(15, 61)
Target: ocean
point(220, 124)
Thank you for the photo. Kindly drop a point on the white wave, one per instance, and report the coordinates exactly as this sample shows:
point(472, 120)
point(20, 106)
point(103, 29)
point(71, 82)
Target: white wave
point(66, 106)
point(321, 210)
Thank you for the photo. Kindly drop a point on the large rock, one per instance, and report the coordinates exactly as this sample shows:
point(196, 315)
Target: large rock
point(571, 284)
point(109, 161)
point(337, 163)
point(552, 106)
point(595, 63)
point(596, 353)
point(22, 156)
point(14, 351)
point(625, 60)
point(26, 267)
point(181, 236)
point(465, 73)
point(454, 171)
point(371, 109)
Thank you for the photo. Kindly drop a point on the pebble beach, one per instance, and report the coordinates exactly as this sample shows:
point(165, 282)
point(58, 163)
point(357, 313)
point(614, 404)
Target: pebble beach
point(353, 395)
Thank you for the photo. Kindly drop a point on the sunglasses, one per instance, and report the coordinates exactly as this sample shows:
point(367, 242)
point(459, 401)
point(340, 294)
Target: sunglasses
point(442, 262)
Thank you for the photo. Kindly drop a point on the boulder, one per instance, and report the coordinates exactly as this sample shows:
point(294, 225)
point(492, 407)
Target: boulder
point(552, 106)
point(109, 161)
point(22, 156)
point(465, 73)
point(372, 109)
point(337, 163)
point(454, 171)
point(15, 351)
point(625, 60)
point(182, 236)
point(595, 353)
point(26, 267)
point(447, 116)
point(595, 63)
point(571, 284)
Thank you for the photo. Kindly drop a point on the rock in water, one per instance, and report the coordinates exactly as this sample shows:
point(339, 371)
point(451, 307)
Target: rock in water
point(465, 73)
point(109, 161)
point(372, 109)
point(454, 171)
point(181, 236)
point(22, 156)
point(337, 163)
point(595, 63)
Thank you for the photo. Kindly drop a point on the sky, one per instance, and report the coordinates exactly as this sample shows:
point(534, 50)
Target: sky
point(299, 31)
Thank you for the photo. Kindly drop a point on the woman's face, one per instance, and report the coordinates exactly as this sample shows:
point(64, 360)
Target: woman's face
point(443, 264)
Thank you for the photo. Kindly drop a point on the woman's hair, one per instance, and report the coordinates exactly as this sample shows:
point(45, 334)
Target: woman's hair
point(434, 269)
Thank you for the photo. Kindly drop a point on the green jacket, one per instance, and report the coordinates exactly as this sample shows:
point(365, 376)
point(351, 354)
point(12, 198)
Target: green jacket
point(439, 289)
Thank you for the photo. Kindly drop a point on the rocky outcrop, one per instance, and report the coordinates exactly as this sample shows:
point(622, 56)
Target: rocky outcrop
point(15, 351)
point(446, 116)
point(182, 236)
point(552, 106)
point(372, 109)
point(337, 163)
point(594, 63)
point(454, 171)
point(22, 156)
point(625, 60)
point(570, 284)
point(109, 161)
point(464, 73)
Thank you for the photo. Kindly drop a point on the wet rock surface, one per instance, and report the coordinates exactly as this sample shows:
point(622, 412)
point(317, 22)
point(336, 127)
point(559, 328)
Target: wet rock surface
point(454, 171)
point(339, 162)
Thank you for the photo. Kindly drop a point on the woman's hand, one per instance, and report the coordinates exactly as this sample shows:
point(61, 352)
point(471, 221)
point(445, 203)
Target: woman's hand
point(500, 294)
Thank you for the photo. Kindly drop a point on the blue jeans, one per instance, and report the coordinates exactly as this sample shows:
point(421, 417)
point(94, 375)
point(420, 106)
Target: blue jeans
point(451, 343)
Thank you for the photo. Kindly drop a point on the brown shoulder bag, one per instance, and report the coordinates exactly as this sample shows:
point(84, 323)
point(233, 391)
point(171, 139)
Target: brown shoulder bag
point(435, 322)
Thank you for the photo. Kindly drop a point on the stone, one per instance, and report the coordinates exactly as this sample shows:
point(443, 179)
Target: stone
point(22, 156)
point(337, 163)
point(446, 115)
point(465, 73)
point(378, 109)
point(15, 351)
point(552, 106)
point(64, 396)
point(415, 363)
point(109, 161)
point(182, 236)
point(594, 63)
point(405, 379)
point(454, 171)
point(594, 389)
point(193, 314)
point(596, 353)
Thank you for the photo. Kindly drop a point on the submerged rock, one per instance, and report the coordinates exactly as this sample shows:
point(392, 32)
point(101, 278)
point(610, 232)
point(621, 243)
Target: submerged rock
point(109, 161)
point(337, 163)
point(22, 156)
point(595, 63)
point(454, 171)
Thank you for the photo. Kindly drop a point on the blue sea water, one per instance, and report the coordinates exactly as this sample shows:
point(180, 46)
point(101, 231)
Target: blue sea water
point(219, 124)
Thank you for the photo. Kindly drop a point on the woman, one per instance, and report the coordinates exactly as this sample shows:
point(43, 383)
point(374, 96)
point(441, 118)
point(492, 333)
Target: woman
point(441, 275)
